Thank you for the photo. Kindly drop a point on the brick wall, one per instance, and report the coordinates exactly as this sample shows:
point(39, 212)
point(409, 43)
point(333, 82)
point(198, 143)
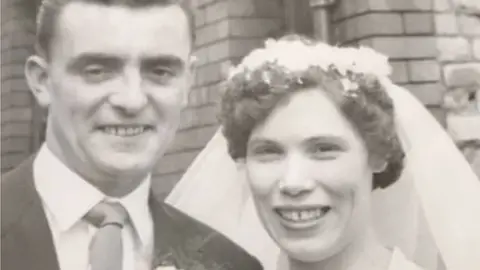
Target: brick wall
point(406, 32)
point(461, 72)
point(17, 107)
point(460, 44)
point(427, 41)
point(226, 30)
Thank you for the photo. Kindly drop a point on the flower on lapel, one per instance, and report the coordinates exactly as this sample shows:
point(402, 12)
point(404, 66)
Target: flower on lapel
point(187, 256)
point(167, 268)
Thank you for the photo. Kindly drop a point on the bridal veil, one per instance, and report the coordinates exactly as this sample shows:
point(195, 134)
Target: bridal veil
point(432, 214)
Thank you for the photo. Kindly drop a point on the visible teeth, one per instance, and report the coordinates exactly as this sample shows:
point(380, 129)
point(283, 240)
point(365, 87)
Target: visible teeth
point(124, 131)
point(110, 130)
point(302, 215)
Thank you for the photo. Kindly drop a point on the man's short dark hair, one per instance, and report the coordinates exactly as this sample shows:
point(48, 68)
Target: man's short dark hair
point(50, 9)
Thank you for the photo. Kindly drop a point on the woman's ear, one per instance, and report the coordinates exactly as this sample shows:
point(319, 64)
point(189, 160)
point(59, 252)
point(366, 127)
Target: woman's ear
point(241, 167)
point(240, 162)
point(36, 73)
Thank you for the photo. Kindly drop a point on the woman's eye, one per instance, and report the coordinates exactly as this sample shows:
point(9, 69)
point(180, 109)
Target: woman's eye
point(267, 150)
point(266, 153)
point(327, 148)
point(324, 150)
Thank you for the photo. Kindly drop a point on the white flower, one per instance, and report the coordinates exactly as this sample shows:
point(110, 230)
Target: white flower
point(297, 56)
point(371, 62)
point(166, 268)
point(348, 85)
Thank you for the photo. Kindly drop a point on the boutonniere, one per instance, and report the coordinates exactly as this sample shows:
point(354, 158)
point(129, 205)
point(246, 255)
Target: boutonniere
point(171, 267)
point(188, 256)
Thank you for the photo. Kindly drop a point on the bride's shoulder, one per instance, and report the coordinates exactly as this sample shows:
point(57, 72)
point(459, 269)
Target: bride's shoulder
point(400, 262)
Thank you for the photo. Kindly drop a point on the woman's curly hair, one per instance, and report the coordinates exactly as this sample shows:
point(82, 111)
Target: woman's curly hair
point(246, 103)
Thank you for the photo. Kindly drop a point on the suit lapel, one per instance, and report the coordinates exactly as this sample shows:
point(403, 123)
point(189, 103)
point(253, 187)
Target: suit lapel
point(42, 249)
point(163, 254)
point(186, 243)
point(28, 239)
point(178, 242)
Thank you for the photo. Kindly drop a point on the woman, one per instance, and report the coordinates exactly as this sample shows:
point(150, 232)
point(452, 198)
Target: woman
point(312, 129)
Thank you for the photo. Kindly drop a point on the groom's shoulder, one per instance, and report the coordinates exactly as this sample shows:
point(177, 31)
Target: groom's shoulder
point(212, 245)
point(17, 193)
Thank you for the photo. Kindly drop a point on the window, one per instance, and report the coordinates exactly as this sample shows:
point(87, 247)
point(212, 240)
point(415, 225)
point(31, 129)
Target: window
point(298, 17)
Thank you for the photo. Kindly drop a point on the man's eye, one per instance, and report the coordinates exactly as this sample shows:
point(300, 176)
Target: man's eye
point(94, 70)
point(96, 73)
point(161, 74)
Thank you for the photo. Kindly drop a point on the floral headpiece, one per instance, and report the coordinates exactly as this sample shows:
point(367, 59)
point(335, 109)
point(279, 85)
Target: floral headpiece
point(289, 59)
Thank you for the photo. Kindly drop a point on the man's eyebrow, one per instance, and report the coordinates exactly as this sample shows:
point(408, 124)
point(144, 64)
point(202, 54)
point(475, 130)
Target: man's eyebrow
point(85, 58)
point(164, 60)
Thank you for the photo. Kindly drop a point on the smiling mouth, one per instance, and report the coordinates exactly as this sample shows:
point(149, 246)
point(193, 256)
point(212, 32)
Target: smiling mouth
point(125, 131)
point(294, 217)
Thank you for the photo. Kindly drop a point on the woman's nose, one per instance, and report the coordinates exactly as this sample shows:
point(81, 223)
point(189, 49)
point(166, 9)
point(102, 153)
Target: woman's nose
point(294, 180)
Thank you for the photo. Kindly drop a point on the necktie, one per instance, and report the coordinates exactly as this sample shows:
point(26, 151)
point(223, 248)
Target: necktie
point(106, 247)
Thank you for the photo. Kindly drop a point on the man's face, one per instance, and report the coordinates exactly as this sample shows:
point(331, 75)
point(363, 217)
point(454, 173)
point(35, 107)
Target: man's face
point(117, 80)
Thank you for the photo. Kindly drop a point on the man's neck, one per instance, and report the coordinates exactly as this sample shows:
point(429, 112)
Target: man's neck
point(115, 186)
point(365, 253)
point(120, 187)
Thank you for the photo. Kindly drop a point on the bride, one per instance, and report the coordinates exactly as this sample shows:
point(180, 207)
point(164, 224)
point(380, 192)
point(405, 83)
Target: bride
point(323, 163)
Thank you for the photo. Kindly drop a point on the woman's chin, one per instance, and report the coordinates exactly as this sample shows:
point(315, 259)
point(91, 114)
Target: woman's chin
point(311, 249)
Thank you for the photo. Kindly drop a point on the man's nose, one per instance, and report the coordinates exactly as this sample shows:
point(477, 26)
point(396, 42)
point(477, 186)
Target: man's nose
point(295, 181)
point(131, 97)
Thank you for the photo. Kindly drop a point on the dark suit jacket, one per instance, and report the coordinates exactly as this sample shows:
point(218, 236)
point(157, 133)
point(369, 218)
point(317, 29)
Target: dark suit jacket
point(179, 239)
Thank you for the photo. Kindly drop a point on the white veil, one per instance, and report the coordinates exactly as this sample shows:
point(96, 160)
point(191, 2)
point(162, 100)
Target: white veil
point(432, 213)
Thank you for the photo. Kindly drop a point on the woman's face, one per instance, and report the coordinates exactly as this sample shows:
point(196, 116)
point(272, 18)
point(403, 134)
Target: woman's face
point(311, 177)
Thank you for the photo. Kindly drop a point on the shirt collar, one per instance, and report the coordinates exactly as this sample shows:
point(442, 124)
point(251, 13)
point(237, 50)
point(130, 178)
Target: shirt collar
point(69, 197)
point(136, 203)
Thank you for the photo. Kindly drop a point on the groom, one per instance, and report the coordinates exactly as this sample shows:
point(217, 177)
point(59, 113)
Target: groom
point(114, 76)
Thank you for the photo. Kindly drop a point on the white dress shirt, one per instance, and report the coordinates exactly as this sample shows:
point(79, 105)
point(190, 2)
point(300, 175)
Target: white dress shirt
point(66, 198)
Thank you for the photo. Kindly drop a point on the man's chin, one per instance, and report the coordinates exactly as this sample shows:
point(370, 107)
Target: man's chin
point(124, 165)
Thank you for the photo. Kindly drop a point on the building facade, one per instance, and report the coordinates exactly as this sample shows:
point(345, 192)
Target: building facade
point(434, 47)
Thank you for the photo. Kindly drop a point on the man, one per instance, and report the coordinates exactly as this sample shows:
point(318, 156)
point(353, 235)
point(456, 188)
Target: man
point(114, 76)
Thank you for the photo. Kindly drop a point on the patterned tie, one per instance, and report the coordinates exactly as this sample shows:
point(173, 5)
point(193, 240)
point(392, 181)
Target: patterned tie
point(106, 247)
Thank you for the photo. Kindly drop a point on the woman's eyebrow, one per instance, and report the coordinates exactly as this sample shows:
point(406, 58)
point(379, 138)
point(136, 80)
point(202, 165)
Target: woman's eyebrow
point(258, 140)
point(328, 138)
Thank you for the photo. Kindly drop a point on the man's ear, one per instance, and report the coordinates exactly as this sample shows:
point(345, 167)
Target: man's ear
point(191, 73)
point(378, 165)
point(36, 72)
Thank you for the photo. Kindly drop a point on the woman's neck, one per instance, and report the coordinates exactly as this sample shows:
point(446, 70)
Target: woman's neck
point(364, 253)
